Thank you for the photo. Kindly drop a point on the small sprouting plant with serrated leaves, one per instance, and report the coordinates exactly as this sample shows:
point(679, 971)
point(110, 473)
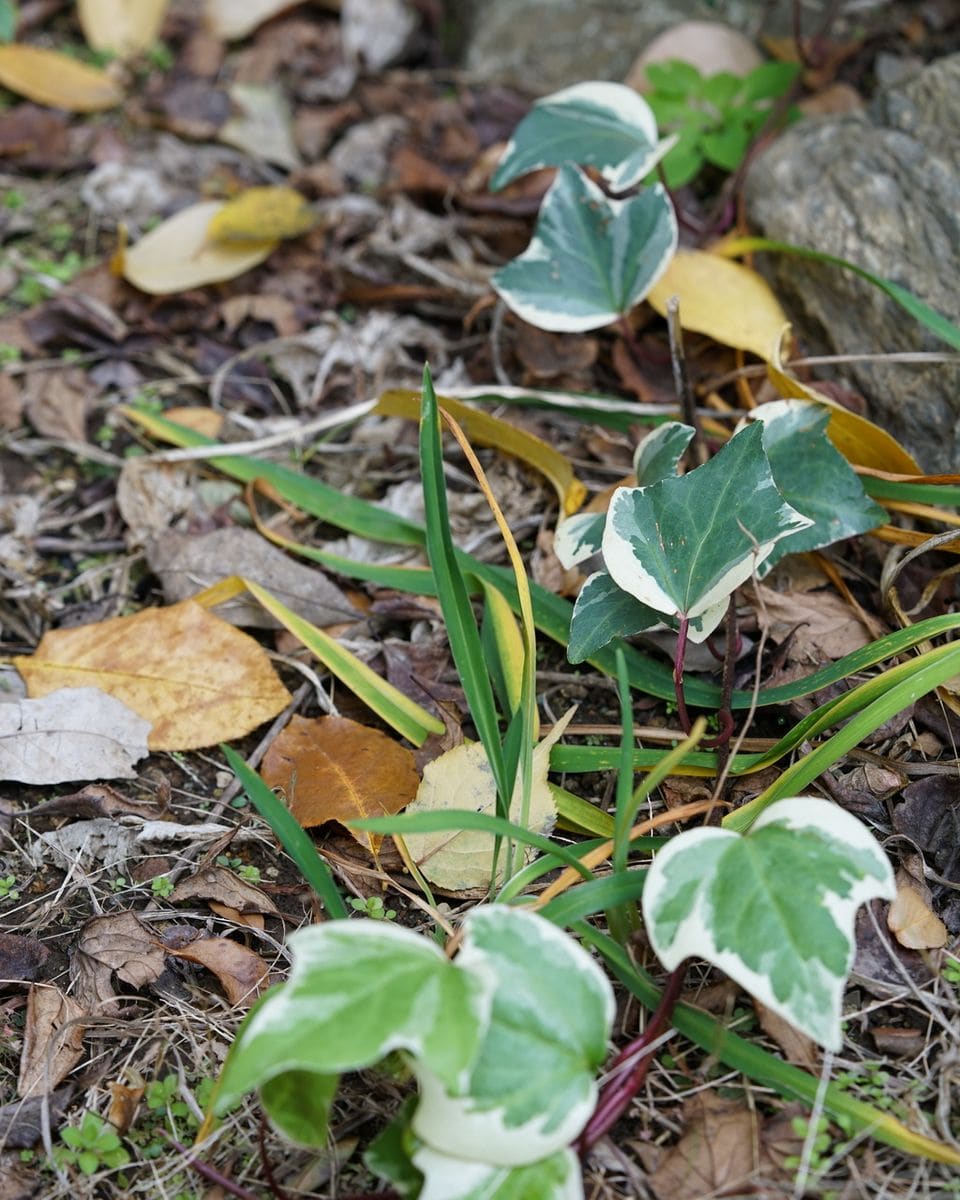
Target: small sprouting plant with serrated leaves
point(714, 117)
point(93, 1145)
point(373, 907)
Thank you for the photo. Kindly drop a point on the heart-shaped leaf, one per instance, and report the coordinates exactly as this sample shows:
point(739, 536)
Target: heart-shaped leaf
point(591, 258)
point(682, 545)
point(814, 478)
point(532, 1087)
point(604, 125)
point(773, 909)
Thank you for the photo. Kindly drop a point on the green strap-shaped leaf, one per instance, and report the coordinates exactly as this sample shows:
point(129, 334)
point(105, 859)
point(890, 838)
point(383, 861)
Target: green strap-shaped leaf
point(533, 1086)
point(814, 478)
point(774, 909)
point(591, 259)
point(603, 611)
point(358, 989)
point(559, 1177)
point(682, 545)
point(603, 125)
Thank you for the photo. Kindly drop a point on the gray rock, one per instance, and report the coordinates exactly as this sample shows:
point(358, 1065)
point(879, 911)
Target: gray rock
point(540, 47)
point(880, 189)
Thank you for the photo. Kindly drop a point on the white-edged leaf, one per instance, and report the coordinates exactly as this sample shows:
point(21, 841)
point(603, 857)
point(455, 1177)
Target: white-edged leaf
point(813, 477)
point(578, 538)
point(359, 989)
point(596, 124)
point(559, 1177)
point(773, 909)
point(532, 1087)
point(591, 259)
point(70, 735)
point(658, 455)
point(602, 612)
point(682, 545)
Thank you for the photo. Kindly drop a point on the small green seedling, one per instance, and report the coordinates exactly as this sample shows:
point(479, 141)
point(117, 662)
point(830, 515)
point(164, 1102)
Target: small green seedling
point(161, 887)
point(715, 117)
point(373, 908)
point(91, 1146)
point(246, 871)
point(8, 888)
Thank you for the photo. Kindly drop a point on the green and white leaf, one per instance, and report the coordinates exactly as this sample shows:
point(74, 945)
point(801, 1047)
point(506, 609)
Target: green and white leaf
point(604, 611)
point(298, 1105)
point(578, 538)
point(814, 478)
point(533, 1085)
point(591, 259)
point(658, 455)
point(682, 545)
point(358, 990)
point(604, 125)
point(559, 1177)
point(773, 909)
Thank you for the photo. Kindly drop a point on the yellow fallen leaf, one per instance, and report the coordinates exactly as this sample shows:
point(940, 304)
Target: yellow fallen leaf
point(489, 430)
point(123, 27)
point(261, 212)
point(179, 255)
point(193, 676)
point(207, 421)
point(724, 300)
point(234, 19)
point(335, 769)
point(911, 920)
point(461, 780)
point(47, 77)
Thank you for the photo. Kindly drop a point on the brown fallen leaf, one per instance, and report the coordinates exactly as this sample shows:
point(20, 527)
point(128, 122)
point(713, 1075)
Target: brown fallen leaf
point(911, 920)
point(251, 920)
point(21, 1125)
point(97, 800)
point(118, 944)
point(124, 1099)
point(796, 1046)
point(48, 77)
point(21, 957)
point(716, 1151)
point(241, 972)
point(218, 885)
point(193, 676)
point(52, 1040)
point(56, 403)
point(822, 624)
point(335, 769)
point(37, 138)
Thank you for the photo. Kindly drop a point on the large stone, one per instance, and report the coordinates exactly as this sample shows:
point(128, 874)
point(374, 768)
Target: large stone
point(542, 45)
point(882, 190)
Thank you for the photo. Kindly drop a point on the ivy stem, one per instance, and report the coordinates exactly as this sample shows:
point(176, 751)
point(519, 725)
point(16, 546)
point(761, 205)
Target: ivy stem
point(624, 1085)
point(680, 656)
point(211, 1174)
point(696, 451)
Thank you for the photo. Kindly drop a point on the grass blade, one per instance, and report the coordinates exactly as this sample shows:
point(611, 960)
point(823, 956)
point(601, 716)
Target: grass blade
point(290, 834)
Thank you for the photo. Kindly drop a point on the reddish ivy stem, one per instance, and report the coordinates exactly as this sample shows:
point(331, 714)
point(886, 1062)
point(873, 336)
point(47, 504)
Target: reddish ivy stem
point(211, 1174)
point(617, 1094)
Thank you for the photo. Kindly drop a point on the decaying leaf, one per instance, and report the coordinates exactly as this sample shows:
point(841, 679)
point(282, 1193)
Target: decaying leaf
point(194, 677)
point(69, 734)
point(242, 973)
point(54, 79)
point(218, 885)
point(261, 126)
point(21, 957)
point(461, 779)
point(262, 212)
point(123, 27)
point(117, 943)
point(52, 1040)
point(179, 254)
point(911, 920)
point(334, 769)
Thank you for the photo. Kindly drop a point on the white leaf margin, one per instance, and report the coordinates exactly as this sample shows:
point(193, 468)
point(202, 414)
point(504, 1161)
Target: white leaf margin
point(693, 938)
point(446, 1178)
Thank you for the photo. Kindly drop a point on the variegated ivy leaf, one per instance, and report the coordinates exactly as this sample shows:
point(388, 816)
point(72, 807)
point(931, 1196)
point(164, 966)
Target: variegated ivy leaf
point(814, 478)
point(603, 125)
point(533, 1086)
point(774, 909)
point(658, 455)
point(358, 990)
point(578, 538)
point(602, 612)
point(559, 1177)
point(591, 259)
point(682, 545)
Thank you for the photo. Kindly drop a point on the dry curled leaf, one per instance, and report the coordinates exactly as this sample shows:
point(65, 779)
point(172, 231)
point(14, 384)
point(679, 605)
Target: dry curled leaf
point(54, 79)
point(218, 885)
point(116, 944)
point(52, 1040)
point(241, 972)
point(194, 677)
point(179, 254)
point(335, 769)
point(911, 920)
